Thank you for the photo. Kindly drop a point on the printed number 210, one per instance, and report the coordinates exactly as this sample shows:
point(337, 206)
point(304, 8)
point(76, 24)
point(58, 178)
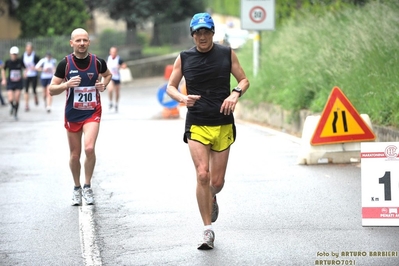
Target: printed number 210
point(85, 97)
point(386, 180)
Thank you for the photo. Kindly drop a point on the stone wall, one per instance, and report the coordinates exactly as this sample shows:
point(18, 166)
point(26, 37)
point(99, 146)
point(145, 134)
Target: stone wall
point(283, 120)
point(151, 67)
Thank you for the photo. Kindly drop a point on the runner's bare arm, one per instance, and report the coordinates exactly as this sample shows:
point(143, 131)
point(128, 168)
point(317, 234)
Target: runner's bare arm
point(3, 76)
point(57, 85)
point(174, 80)
point(172, 88)
point(106, 77)
point(102, 85)
point(123, 65)
point(239, 73)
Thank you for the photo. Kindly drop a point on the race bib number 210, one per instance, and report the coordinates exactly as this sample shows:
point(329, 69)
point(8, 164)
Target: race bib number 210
point(85, 98)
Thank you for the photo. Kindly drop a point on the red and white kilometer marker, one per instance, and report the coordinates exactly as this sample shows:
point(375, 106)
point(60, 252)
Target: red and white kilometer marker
point(380, 183)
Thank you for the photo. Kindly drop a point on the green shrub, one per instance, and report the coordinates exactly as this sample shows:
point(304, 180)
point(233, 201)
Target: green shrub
point(356, 49)
point(109, 38)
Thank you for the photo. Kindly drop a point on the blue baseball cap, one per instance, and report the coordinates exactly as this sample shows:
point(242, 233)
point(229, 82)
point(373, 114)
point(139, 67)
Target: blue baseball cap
point(201, 21)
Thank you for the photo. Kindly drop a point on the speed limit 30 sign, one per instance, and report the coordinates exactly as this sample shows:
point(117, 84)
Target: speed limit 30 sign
point(257, 14)
point(380, 183)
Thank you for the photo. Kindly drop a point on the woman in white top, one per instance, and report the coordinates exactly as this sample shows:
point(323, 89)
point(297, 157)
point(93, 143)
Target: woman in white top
point(47, 66)
point(114, 63)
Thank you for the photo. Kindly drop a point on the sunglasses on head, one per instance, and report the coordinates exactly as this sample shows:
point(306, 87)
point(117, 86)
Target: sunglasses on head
point(203, 31)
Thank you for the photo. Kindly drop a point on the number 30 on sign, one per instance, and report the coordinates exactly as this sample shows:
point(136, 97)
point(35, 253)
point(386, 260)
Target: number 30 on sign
point(380, 183)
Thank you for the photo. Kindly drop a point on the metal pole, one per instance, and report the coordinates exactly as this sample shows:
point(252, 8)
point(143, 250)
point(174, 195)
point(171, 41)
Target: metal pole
point(256, 53)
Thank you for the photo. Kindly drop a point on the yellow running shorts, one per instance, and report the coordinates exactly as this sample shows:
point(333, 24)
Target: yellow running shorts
point(218, 137)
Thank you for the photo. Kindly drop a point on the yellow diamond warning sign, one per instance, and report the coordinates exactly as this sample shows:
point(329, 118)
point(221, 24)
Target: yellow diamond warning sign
point(340, 122)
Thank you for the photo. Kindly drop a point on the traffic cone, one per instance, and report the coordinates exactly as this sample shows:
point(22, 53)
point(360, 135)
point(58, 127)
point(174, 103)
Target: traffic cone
point(169, 112)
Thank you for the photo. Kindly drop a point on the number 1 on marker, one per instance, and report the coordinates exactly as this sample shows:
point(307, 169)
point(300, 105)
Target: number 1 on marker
point(386, 180)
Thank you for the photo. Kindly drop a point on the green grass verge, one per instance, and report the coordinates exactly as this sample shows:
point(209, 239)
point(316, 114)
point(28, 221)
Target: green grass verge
point(356, 49)
point(158, 50)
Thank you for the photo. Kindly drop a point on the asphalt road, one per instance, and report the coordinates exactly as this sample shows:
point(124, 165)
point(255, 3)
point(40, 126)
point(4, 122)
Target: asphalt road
point(272, 211)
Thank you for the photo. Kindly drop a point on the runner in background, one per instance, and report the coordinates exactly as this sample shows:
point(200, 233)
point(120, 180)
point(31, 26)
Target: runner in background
point(30, 60)
point(11, 75)
point(114, 63)
point(1, 95)
point(47, 66)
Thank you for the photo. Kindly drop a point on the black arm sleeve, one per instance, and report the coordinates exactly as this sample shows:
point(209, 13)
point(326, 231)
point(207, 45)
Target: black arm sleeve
point(60, 70)
point(101, 65)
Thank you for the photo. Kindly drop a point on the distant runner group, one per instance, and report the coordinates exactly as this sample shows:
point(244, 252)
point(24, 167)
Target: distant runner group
point(20, 75)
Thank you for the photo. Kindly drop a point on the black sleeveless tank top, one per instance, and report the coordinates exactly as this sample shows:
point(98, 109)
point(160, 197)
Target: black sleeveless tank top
point(207, 74)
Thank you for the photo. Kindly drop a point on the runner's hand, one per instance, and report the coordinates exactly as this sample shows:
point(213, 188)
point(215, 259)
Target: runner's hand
point(74, 82)
point(191, 99)
point(100, 86)
point(229, 104)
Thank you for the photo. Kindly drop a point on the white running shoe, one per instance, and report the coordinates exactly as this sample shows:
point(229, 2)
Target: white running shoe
point(88, 196)
point(208, 239)
point(77, 197)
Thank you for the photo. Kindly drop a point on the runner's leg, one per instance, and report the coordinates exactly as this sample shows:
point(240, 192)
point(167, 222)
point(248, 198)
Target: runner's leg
point(27, 83)
point(110, 89)
point(16, 99)
point(10, 97)
point(75, 148)
point(34, 85)
point(218, 165)
point(117, 90)
point(90, 131)
point(200, 155)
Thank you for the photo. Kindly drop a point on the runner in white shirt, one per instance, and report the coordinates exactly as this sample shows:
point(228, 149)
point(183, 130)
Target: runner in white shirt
point(114, 63)
point(30, 60)
point(47, 66)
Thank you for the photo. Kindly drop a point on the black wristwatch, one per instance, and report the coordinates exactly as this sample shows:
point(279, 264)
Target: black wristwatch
point(238, 89)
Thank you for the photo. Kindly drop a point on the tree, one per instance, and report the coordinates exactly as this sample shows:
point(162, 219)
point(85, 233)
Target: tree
point(175, 11)
point(136, 12)
point(225, 7)
point(50, 17)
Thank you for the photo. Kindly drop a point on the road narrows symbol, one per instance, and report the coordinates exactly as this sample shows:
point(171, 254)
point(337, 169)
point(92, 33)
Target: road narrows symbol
point(344, 121)
point(334, 123)
point(335, 120)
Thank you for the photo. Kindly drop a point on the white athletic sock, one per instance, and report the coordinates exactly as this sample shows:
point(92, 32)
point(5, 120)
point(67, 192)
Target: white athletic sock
point(206, 227)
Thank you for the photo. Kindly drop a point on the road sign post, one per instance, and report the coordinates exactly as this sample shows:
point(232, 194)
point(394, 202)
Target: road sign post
point(380, 183)
point(257, 15)
point(256, 52)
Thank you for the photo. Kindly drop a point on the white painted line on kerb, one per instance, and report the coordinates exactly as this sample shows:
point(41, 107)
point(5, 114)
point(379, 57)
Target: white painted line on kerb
point(90, 251)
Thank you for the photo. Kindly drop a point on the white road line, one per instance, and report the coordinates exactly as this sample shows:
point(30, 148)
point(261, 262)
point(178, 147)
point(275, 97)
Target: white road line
point(90, 251)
